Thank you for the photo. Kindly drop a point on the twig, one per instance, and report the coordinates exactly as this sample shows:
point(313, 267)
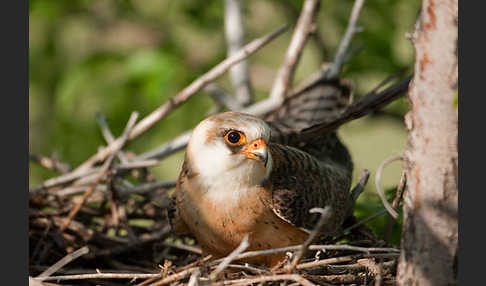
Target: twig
point(202, 81)
point(352, 28)
point(176, 144)
point(218, 95)
point(354, 248)
point(280, 277)
point(227, 260)
point(311, 247)
point(185, 247)
point(249, 268)
point(359, 188)
point(129, 245)
point(136, 165)
point(339, 279)
point(379, 189)
point(88, 177)
point(61, 180)
point(365, 220)
point(103, 276)
point(395, 203)
point(303, 28)
point(109, 138)
point(193, 281)
point(175, 277)
point(371, 101)
point(162, 111)
point(147, 187)
point(58, 265)
point(50, 163)
point(325, 214)
point(234, 33)
point(340, 259)
point(103, 169)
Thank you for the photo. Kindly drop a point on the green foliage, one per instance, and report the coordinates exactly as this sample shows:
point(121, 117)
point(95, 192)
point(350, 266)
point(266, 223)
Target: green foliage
point(371, 205)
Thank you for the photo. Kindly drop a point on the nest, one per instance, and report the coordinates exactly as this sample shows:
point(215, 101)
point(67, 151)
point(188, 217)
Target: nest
point(105, 222)
point(124, 238)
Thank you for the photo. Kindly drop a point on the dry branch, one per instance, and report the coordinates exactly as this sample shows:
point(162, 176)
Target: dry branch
point(292, 277)
point(379, 189)
point(103, 170)
point(351, 30)
point(102, 276)
point(228, 259)
point(234, 33)
point(184, 95)
point(395, 203)
point(370, 102)
point(304, 27)
point(68, 258)
point(325, 214)
point(50, 163)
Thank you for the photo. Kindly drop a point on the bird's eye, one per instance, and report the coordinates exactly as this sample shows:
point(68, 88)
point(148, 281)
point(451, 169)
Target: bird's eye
point(235, 137)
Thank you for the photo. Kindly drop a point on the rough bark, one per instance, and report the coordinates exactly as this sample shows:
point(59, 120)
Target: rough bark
point(430, 229)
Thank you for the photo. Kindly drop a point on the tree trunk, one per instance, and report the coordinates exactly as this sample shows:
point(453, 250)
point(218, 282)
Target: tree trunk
point(429, 241)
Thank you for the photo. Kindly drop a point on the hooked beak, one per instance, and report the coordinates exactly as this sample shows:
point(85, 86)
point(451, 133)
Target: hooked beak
point(256, 150)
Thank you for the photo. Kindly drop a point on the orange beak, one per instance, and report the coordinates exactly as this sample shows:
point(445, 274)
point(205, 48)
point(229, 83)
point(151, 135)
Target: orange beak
point(256, 150)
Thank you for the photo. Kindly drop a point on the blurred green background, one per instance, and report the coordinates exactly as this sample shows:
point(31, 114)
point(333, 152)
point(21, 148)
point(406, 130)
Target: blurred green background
point(116, 57)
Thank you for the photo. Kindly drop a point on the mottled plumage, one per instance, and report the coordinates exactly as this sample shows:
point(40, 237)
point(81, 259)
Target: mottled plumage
point(242, 175)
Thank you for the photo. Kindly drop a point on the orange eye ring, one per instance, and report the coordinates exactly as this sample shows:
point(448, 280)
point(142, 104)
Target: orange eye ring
point(235, 138)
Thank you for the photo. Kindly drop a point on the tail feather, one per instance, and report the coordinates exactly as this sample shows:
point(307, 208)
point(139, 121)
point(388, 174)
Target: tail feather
point(308, 120)
point(323, 101)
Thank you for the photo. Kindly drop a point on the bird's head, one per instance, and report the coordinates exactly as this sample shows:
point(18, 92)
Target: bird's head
point(231, 146)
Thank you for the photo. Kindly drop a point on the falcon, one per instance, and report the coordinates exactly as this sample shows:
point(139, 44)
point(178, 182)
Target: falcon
point(245, 176)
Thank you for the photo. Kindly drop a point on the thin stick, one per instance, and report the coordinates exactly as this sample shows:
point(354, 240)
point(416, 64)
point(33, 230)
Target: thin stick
point(340, 259)
point(159, 113)
point(302, 30)
point(185, 247)
point(249, 268)
point(292, 277)
point(176, 144)
point(109, 138)
point(147, 187)
point(325, 214)
point(103, 276)
point(311, 247)
point(395, 203)
point(352, 29)
point(193, 281)
point(137, 164)
point(202, 81)
point(234, 33)
point(371, 101)
point(222, 98)
point(175, 277)
point(61, 180)
point(371, 217)
point(379, 189)
point(227, 260)
point(103, 169)
point(359, 188)
point(50, 163)
point(65, 260)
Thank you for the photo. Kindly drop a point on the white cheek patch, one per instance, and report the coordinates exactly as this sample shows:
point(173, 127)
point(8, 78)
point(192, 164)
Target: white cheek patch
point(226, 177)
point(210, 161)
